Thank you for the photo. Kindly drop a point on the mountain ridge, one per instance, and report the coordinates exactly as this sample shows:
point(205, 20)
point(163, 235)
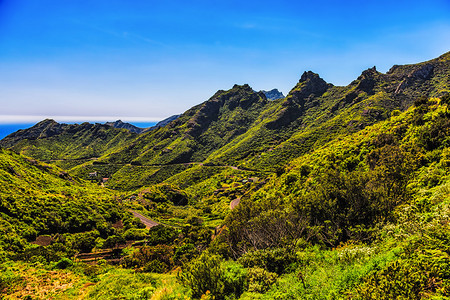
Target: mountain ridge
point(240, 127)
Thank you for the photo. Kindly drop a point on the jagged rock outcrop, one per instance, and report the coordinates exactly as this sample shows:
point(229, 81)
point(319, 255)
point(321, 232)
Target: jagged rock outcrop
point(240, 96)
point(273, 94)
point(300, 99)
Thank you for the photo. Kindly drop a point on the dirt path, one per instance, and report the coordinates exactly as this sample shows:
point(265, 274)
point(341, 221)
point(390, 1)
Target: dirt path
point(146, 221)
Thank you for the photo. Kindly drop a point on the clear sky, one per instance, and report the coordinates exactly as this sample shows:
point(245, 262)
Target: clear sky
point(144, 60)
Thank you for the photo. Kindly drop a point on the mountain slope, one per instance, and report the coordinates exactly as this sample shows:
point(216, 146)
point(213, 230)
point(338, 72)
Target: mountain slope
point(199, 131)
point(49, 140)
point(241, 128)
point(314, 113)
point(37, 199)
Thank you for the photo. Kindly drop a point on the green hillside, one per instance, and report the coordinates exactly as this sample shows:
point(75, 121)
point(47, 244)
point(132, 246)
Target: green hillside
point(40, 199)
point(330, 193)
point(240, 128)
point(67, 144)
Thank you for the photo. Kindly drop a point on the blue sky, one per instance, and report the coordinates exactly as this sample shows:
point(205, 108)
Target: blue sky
point(98, 60)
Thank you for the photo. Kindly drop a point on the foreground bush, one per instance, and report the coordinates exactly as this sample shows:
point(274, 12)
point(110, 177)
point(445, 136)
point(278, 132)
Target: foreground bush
point(208, 274)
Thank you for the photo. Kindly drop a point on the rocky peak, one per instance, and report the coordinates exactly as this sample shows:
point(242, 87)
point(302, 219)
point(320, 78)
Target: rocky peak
point(309, 75)
point(242, 96)
point(273, 94)
point(46, 122)
point(244, 87)
point(309, 86)
point(367, 80)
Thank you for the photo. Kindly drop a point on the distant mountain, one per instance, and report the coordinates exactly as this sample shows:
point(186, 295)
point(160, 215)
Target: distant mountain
point(135, 129)
point(162, 123)
point(50, 140)
point(273, 94)
point(128, 126)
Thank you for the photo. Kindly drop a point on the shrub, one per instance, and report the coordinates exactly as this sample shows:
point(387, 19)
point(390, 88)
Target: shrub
point(208, 273)
point(259, 280)
point(63, 263)
point(274, 260)
point(135, 234)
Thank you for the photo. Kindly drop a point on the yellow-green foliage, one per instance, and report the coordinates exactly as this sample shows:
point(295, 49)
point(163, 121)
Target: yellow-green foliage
point(37, 199)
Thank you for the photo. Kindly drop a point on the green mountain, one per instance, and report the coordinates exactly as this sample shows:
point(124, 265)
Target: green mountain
point(238, 127)
point(241, 128)
point(70, 144)
point(329, 193)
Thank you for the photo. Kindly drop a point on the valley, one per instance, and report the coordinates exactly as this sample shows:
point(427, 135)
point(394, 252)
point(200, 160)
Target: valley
point(332, 192)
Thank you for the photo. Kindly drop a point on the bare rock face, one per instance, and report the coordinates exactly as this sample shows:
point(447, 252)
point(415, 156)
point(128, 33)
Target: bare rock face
point(242, 96)
point(419, 74)
point(367, 80)
point(424, 72)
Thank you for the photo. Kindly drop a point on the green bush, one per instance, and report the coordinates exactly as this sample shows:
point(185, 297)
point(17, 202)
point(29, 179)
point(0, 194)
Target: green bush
point(161, 235)
point(63, 263)
point(209, 273)
point(259, 280)
point(135, 234)
point(276, 260)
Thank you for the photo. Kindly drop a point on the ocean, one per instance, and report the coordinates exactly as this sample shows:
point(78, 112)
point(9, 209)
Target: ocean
point(6, 129)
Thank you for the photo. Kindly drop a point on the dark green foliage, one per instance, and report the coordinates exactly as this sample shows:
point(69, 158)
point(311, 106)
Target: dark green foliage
point(85, 241)
point(164, 193)
point(276, 260)
point(63, 263)
point(421, 270)
point(135, 234)
point(208, 273)
point(157, 258)
point(161, 235)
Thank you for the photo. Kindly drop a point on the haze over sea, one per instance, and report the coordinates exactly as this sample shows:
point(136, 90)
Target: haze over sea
point(6, 129)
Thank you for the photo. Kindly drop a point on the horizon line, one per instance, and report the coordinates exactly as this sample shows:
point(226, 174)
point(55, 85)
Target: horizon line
point(18, 119)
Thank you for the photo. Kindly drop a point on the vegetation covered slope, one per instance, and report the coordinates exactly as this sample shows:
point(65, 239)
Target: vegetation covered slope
point(355, 205)
point(197, 132)
point(241, 128)
point(40, 199)
point(363, 217)
point(266, 135)
point(49, 140)
point(315, 112)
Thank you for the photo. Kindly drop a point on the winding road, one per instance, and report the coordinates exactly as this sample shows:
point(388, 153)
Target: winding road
point(146, 221)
